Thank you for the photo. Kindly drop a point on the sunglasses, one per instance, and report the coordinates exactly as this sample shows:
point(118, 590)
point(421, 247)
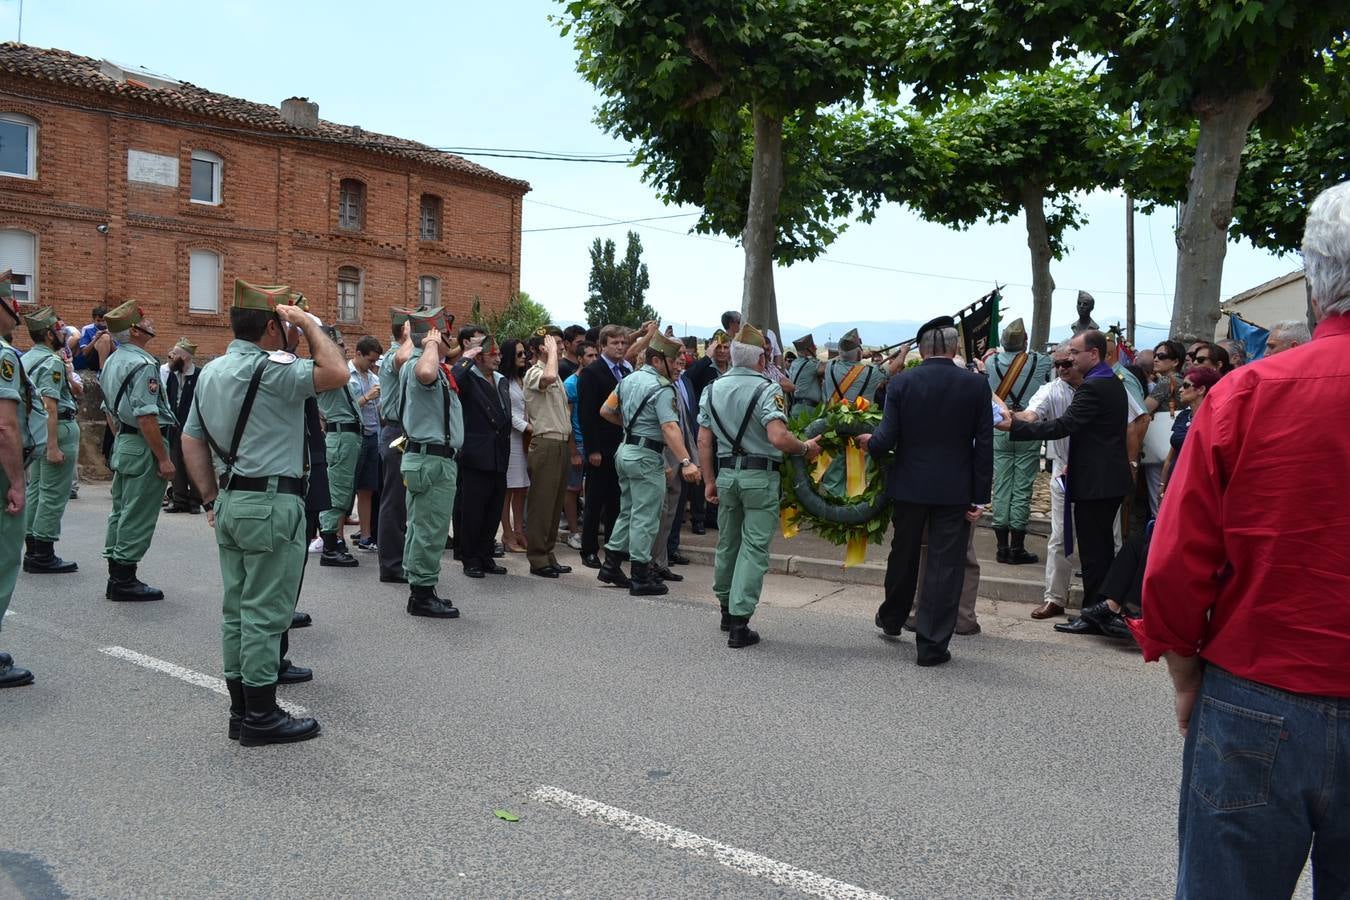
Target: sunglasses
point(1201, 359)
point(1064, 364)
point(1187, 386)
point(1163, 356)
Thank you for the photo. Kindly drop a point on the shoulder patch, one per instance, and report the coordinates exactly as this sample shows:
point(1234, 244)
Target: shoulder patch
point(780, 402)
point(56, 376)
point(675, 405)
point(153, 385)
point(281, 356)
point(7, 369)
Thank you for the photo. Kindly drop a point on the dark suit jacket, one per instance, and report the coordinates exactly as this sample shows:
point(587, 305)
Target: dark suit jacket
point(487, 421)
point(701, 373)
point(1099, 467)
point(939, 421)
point(594, 385)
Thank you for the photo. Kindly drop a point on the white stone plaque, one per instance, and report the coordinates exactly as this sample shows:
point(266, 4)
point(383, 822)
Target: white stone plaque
point(152, 168)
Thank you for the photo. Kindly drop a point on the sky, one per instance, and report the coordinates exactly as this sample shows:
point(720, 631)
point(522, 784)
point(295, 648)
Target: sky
point(498, 75)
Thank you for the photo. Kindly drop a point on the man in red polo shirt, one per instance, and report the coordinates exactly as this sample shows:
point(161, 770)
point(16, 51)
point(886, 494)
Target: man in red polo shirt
point(1247, 598)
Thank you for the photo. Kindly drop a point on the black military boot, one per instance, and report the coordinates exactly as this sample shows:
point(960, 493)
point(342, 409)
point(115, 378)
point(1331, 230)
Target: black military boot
point(645, 583)
point(266, 723)
point(665, 574)
point(741, 634)
point(611, 570)
point(726, 619)
point(1018, 555)
point(333, 555)
point(11, 675)
point(236, 688)
point(124, 585)
point(27, 547)
point(289, 673)
point(422, 601)
point(1001, 535)
point(42, 560)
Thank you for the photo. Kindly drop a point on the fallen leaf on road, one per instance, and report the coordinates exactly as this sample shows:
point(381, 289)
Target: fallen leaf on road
point(506, 815)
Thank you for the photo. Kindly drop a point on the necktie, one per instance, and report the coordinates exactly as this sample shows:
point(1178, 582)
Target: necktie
point(619, 372)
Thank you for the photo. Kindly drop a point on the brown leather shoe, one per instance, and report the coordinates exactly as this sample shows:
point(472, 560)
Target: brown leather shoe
point(1047, 610)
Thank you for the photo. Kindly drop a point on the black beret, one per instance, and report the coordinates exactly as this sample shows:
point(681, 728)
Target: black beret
point(934, 324)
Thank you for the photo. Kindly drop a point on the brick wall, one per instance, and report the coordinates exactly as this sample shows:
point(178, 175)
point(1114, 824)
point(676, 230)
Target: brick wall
point(277, 221)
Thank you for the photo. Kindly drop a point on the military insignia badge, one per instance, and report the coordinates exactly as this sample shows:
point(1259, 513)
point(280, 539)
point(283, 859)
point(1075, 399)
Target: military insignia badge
point(153, 385)
point(675, 406)
point(56, 376)
point(7, 370)
point(780, 401)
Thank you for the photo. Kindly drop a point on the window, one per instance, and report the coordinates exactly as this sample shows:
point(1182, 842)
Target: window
point(429, 291)
point(18, 146)
point(349, 294)
point(351, 204)
point(18, 253)
point(204, 282)
point(430, 229)
point(206, 177)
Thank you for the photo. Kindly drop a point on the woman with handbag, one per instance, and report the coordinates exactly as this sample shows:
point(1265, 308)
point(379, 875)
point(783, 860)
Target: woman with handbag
point(1163, 402)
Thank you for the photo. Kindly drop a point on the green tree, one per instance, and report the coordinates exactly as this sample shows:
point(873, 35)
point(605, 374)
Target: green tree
point(618, 287)
point(697, 83)
point(519, 320)
point(1217, 65)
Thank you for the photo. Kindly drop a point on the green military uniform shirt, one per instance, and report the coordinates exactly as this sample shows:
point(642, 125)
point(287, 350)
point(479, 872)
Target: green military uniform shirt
point(273, 442)
point(431, 412)
point(663, 407)
point(864, 385)
point(144, 395)
point(47, 373)
point(338, 406)
point(13, 386)
point(1036, 371)
point(729, 397)
point(803, 373)
point(390, 393)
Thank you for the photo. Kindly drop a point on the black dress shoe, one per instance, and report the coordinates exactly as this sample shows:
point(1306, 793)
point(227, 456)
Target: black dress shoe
point(562, 570)
point(339, 558)
point(11, 675)
point(546, 572)
point(290, 673)
point(590, 560)
point(1078, 625)
point(974, 629)
point(494, 569)
point(422, 601)
point(498, 550)
point(678, 559)
point(944, 657)
point(884, 630)
point(1092, 620)
point(393, 578)
point(665, 574)
point(474, 572)
point(175, 508)
point(697, 528)
point(301, 620)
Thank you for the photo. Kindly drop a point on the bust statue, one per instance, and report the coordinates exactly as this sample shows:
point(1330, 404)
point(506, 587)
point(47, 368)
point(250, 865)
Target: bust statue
point(1085, 306)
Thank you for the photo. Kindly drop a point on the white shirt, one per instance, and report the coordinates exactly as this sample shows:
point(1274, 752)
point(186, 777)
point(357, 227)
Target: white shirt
point(1050, 402)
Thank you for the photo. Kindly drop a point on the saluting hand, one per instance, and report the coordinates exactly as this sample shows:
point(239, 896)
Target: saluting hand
point(432, 336)
point(472, 352)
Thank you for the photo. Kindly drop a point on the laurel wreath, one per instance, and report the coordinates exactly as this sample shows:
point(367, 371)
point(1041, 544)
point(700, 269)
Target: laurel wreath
point(839, 520)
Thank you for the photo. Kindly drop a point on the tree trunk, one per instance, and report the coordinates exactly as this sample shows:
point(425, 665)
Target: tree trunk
point(1042, 285)
point(1202, 236)
point(758, 303)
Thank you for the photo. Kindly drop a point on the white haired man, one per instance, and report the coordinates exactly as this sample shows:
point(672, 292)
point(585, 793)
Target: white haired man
point(1286, 336)
point(1245, 598)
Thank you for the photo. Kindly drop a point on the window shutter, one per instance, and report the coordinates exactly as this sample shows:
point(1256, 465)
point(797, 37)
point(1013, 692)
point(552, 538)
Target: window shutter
point(204, 282)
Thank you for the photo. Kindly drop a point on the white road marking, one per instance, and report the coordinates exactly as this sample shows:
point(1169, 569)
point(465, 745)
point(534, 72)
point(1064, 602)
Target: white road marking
point(210, 682)
point(750, 863)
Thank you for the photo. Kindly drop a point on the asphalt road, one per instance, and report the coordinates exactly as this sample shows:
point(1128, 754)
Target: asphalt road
point(1033, 765)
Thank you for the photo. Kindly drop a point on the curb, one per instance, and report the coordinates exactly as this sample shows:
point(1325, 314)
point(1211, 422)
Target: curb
point(1009, 590)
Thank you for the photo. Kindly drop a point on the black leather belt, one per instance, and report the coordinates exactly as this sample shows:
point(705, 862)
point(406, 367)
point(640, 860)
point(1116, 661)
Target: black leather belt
point(68, 415)
point(286, 484)
point(136, 429)
point(431, 449)
point(390, 423)
point(654, 446)
point(761, 463)
point(341, 427)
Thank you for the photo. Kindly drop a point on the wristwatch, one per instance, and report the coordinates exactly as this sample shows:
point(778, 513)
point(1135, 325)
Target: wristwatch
point(686, 462)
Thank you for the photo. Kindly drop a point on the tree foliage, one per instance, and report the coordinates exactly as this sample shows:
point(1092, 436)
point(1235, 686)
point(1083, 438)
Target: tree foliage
point(519, 320)
point(618, 287)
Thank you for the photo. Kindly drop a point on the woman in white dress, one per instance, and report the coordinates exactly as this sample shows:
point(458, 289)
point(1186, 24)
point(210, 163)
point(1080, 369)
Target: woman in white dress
point(515, 360)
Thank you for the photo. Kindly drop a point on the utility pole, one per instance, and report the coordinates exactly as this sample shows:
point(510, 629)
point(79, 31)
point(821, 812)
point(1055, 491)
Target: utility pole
point(1129, 269)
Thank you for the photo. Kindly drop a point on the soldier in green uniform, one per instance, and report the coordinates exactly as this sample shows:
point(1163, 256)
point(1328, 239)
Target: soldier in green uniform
point(16, 397)
point(433, 422)
point(393, 512)
point(805, 372)
point(644, 404)
point(51, 470)
point(342, 445)
point(743, 425)
point(248, 412)
point(847, 377)
point(138, 412)
point(1014, 375)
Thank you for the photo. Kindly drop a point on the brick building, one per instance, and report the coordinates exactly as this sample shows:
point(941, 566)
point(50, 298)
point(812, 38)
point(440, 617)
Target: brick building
point(117, 184)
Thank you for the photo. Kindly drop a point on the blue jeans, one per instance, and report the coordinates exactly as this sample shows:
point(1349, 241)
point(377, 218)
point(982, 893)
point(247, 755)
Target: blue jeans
point(1265, 775)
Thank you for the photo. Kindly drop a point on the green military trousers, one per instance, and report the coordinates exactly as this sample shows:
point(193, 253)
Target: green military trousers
point(430, 482)
point(49, 485)
point(261, 539)
point(342, 448)
point(1015, 464)
point(747, 514)
point(11, 548)
point(137, 491)
point(642, 488)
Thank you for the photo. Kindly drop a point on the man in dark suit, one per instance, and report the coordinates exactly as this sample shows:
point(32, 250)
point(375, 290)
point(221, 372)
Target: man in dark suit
point(594, 385)
point(1097, 475)
point(939, 420)
point(179, 378)
point(701, 373)
point(486, 401)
